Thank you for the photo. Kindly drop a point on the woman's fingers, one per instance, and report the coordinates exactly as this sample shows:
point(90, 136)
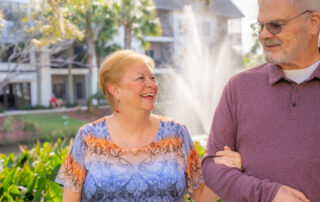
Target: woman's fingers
point(228, 158)
point(227, 148)
point(228, 153)
point(229, 162)
point(219, 160)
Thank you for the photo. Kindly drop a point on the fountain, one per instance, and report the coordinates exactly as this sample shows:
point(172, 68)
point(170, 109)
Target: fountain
point(197, 81)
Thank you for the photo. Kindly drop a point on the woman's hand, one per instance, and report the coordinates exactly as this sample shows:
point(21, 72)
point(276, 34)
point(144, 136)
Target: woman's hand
point(228, 158)
point(69, 195)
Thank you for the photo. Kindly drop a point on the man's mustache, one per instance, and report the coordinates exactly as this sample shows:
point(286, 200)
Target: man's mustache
point(271, 42)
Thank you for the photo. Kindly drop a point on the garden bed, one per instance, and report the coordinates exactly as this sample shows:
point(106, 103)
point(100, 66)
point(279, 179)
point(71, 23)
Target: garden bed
point(20, 129)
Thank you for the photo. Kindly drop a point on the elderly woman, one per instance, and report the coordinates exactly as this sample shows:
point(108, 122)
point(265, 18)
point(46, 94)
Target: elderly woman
point(134, 155)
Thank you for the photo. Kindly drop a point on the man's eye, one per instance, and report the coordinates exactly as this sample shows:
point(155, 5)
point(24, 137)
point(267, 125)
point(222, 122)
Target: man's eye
point(274, 25)
point(153, 78)
point(140, 77)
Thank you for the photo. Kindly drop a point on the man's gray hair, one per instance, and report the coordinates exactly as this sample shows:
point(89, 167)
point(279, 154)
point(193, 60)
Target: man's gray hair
point(302, 5)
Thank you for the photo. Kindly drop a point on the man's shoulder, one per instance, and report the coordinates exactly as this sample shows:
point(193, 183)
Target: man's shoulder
point(255, 74)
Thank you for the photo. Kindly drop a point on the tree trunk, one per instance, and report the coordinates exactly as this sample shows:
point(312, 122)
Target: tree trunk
point(99, 60)
point(127, 37)
point(70, 77)
point(38, 70)
point(92, 59)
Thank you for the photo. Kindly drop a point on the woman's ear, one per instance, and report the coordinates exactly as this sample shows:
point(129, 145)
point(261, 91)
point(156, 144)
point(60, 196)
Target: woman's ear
point(113, 89)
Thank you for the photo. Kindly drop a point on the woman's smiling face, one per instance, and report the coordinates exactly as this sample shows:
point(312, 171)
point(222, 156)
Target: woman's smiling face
point(138, 88)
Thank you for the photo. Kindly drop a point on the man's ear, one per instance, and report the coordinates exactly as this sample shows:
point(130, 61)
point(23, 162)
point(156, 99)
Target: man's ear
point(113, 89)
point(315, 22)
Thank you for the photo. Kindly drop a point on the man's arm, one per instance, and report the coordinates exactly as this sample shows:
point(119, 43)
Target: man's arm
point(229, 183)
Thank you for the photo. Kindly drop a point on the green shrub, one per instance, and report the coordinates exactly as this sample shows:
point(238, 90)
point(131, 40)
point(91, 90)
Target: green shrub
point(34, 107)
point(30, 176)
point(30, 126)
point(199, 148)
point(71, 105)
point(99, 96)
point(7, 125)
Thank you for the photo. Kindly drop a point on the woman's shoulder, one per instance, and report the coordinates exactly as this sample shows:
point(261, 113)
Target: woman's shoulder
point(95, 128)
point(168, 120)
point(170, 127)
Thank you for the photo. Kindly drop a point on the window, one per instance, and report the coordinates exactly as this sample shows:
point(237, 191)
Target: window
point(150, 53)
point(79, 90)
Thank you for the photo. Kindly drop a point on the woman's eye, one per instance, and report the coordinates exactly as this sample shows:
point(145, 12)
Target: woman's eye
point(153, 78)
point(140, 78)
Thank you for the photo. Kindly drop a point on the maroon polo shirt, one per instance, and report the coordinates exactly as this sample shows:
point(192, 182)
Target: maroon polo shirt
point(275, 125)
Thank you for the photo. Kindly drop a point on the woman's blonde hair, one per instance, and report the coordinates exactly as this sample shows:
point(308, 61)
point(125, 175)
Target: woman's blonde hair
point(114, 67)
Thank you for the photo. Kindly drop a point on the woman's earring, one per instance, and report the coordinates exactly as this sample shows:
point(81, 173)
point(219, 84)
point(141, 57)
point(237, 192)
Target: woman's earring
point(117, 107)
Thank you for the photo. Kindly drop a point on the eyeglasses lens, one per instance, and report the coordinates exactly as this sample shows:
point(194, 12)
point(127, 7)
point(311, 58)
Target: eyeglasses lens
point(273, 28)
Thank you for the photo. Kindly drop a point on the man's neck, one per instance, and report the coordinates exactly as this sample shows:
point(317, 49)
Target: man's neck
point(303, 61)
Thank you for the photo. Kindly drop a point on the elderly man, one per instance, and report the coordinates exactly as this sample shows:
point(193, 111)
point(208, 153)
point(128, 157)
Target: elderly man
point(271, 113)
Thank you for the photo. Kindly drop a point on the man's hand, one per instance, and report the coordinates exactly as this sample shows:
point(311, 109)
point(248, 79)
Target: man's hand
point(288, 194)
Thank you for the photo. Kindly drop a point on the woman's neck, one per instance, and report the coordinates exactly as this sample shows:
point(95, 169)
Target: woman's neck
point(135, 123)
point(132, 131)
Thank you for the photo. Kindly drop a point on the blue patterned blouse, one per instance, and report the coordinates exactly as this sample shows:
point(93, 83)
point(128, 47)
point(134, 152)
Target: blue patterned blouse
point(160, 171)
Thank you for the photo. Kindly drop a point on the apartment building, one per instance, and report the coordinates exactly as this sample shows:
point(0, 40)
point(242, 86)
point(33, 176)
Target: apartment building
point(32, 84)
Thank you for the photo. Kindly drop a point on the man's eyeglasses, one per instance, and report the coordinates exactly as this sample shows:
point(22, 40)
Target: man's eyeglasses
point(274, 27)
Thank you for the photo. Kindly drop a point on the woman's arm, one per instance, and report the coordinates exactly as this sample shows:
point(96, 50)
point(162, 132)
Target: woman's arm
point(69, 195)
point(226, 157)
point(204, 194)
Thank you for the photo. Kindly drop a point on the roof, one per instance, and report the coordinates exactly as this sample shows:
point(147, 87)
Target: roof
point(225, 8)
point(170, 4)
point(218, 7)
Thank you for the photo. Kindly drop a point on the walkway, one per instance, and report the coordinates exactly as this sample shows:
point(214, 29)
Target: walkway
point(40, 111)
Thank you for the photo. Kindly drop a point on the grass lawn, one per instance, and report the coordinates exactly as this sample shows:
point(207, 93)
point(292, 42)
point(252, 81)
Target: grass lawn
point(50, 126)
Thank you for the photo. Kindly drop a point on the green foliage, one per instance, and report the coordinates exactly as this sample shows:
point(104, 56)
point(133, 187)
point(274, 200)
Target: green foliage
point(138, 17)
point(99, 96)
point(30, 126)
point(254, 57)
point(30, 176)
point(34, 107)
point(71, 105)
point(199, 148)
point(252, 60)
point(7, 125)
point(52, 23)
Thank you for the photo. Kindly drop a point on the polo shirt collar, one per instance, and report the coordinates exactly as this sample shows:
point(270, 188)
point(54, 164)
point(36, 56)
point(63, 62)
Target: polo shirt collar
point(276, 74)
point(315, 74)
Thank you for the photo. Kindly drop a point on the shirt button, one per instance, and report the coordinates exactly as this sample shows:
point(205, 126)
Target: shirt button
point(294, 104)
point(296, 90)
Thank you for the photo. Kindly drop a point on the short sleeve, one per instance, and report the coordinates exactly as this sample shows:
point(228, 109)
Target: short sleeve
point(72, 172)
point(192, 162)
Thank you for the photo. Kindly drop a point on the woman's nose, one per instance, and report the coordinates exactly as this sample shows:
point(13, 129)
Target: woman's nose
point(151, 83)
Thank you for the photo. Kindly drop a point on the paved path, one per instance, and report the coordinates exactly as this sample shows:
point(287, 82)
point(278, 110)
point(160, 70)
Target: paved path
point(39, 111)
